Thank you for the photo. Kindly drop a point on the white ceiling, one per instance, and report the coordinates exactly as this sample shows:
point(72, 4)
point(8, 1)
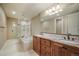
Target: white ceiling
point(27, 10)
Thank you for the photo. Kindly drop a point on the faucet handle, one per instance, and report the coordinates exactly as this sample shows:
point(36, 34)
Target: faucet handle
point(72, 39)
point(65, 38)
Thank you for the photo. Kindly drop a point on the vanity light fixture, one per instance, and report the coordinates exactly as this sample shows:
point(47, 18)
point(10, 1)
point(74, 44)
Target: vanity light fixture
point(54, 10)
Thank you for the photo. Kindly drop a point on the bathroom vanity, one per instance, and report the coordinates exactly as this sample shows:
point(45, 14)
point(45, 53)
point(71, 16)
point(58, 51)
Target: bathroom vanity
point(49, 46)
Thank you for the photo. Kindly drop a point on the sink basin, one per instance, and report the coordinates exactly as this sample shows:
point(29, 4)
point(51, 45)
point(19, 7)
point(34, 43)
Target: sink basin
point(72, 42)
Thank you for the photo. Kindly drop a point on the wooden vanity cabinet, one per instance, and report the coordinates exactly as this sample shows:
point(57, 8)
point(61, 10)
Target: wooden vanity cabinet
point(46, 47)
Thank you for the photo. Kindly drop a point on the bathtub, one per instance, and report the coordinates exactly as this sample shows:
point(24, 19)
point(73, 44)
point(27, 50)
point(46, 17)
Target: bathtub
point(26, 43)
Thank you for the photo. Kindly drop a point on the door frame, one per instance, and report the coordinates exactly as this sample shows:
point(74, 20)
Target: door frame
point(61, 26)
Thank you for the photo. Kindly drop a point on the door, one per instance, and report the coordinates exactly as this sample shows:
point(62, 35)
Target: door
point(59, 26)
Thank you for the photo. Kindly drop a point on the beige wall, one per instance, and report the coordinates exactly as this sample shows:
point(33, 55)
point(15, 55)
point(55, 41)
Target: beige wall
point(12, 32)
point(3, 28)
point(36, 25)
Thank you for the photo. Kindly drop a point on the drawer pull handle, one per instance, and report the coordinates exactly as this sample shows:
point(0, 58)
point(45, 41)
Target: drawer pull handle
point(64, 48)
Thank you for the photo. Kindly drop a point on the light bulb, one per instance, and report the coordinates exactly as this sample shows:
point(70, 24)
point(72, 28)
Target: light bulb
point(56, 11)
point(60, 10)
point(46, 11)
point(50, 10)
point(14, 25)
point(58, 7)
point(13, 12)
point(53, 9)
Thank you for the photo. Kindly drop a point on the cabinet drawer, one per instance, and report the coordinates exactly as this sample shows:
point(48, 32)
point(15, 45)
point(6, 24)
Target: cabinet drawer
point(57, 44)
point(47, 43)
point(43, 41)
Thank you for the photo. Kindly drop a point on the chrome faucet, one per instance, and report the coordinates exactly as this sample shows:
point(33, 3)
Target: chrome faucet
point(68, 36)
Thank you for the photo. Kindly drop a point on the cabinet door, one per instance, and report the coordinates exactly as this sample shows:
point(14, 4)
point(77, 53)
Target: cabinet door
point(36, 45)
point(48, 51)
point(48, 48)
point(43, 50)
point(66, 52)
point(74, 54)
point(57, 49)
point(69, 51)
point(48, 43)
point(52, 48)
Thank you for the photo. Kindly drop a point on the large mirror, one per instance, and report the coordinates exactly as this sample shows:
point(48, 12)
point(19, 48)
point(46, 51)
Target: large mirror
point(64, 20)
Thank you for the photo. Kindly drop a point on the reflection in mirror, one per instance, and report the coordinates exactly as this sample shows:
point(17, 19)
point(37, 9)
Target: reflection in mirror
point(69, 22)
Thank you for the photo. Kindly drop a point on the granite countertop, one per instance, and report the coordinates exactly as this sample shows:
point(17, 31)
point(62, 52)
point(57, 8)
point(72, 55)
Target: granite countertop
point(70, 43)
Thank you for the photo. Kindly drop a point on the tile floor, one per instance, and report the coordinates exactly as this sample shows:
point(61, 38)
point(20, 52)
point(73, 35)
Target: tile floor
point(13, 48)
